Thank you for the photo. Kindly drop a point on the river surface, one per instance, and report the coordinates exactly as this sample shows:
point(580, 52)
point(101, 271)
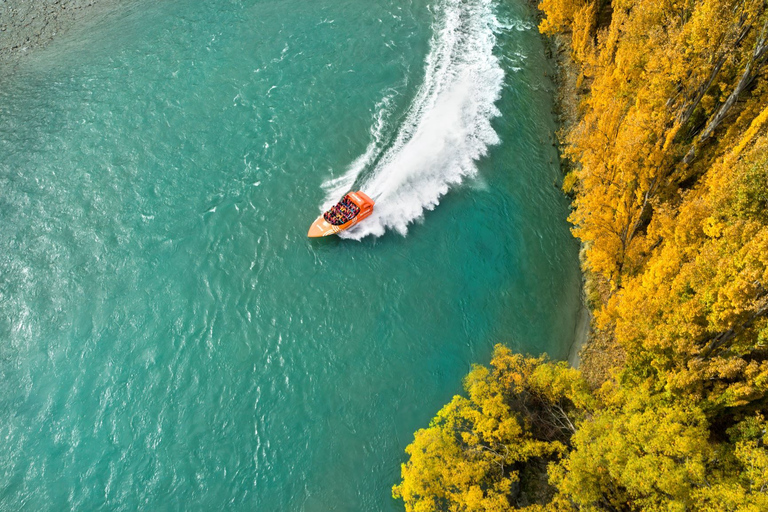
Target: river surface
point(169, 337)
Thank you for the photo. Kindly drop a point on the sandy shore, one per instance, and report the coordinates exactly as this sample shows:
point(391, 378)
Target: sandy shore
point(26, 25)
point(580, 334)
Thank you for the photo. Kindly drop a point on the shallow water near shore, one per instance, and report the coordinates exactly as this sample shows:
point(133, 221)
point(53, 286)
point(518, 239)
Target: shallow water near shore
point(169, 337)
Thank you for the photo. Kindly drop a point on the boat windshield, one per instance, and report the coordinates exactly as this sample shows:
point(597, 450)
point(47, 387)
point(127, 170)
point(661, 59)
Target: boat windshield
point(344, 211)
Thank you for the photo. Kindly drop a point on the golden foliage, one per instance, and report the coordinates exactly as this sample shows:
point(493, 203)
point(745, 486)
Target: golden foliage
point(558, 15)
point(639, 449)
point(467, 459)
point(658, 68)
point(698, 308)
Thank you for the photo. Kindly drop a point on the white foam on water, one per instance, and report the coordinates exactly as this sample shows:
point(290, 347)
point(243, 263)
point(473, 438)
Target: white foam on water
point(447, 127)
point(335, 188)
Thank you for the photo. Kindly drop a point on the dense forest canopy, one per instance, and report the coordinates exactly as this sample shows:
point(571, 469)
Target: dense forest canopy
point(668, 169)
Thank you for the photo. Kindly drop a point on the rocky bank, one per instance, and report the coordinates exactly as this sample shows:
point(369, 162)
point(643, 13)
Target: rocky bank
point(26, 25)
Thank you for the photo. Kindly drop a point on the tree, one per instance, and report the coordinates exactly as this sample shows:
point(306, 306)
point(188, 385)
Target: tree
point(641, 452)
point(469, 457)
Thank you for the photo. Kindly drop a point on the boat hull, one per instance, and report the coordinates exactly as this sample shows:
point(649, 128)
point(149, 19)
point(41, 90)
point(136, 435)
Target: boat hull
point(322, 227)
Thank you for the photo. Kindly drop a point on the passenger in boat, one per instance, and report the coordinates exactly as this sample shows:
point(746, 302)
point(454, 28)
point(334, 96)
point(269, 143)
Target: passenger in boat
point(342, 212)
point(350, 208)
point(333, 216)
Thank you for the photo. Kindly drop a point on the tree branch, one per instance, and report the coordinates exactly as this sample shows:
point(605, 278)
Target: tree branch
point(753, 67)
point(726, 337)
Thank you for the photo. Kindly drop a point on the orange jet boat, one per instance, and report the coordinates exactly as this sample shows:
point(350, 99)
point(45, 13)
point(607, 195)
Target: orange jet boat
point(352, 208)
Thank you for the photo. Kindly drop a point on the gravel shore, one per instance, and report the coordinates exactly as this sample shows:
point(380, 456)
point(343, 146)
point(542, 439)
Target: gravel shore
point(26, 25)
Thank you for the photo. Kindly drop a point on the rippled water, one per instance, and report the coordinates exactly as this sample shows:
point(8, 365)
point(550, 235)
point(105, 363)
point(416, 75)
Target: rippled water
point(171, 340)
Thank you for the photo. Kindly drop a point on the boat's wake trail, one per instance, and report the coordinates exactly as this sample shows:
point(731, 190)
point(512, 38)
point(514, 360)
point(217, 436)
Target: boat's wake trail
point(446, 129)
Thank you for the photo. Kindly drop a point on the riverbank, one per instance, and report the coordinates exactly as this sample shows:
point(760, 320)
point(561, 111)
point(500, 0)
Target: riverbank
point(566, 115)
point(593, 352)
point(28, 26)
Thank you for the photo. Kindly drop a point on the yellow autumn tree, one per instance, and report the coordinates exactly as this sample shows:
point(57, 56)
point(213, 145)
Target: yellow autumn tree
point(469, 457)
point(699, 310)
point(559, 15)
point(743, 484)
point(641, 451)
point(662, 70)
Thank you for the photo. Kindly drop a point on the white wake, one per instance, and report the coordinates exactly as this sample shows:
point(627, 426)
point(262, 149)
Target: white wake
point(447, 127)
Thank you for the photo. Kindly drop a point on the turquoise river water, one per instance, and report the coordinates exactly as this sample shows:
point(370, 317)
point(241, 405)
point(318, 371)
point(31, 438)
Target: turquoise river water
point(169, 337)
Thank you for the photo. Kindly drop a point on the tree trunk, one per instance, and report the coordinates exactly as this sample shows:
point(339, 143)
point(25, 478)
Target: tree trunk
point(753, 67)
point(740, 32)
point(726, 337)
